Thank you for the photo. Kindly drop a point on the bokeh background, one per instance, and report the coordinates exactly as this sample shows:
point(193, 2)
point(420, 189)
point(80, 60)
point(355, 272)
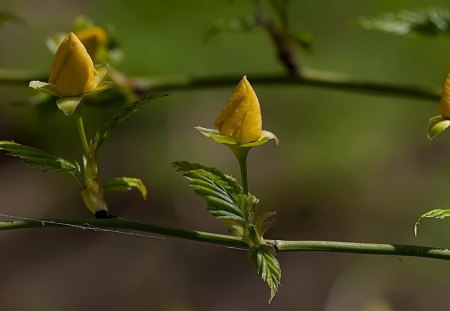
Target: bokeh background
point(352, 167)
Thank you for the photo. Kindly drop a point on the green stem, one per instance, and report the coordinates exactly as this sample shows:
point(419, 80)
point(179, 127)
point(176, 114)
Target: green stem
point(231, 241)
point(80, 126)
point(363, 248)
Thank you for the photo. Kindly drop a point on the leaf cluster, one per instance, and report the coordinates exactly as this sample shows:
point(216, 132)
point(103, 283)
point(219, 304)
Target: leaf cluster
point(227, 201)
point(423, 22)
point(45, 162)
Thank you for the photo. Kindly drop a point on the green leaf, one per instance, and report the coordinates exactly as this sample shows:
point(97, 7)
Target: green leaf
point(302, 39)
point(104, 131)
point(38, 159)
point(68, 105)
point(126, 184)
point(225, 197)
point(436, 125)
point(436, 214)
point(264, 258)
point(243, 24)
point(7, 17)
point(82, 22)
point(425, 22)
point(264, 222)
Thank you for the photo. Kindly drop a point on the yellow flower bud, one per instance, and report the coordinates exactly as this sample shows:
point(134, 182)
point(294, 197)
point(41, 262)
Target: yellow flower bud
point(93, 39)
point(241, 117)
point(72, 72)
point(444, 107)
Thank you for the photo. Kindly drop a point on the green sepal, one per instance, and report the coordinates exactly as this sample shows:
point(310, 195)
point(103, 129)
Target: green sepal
point(106, 129)
point(44, 87)
point(41, 160)
point(99, 84)
point(68, 105)
point(436, 214)
point(126, 184)
point(227, 140)
point(102, 70)
point(102, 86)
point(54, 41)
point(436, 125)
point(264, 258)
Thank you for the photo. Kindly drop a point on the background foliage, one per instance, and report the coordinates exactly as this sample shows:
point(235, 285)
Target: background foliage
point(349, 166)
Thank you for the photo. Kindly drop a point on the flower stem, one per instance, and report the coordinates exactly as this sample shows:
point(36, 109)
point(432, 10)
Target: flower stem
point(243, 167)
point(241, 155)
point(80, 126)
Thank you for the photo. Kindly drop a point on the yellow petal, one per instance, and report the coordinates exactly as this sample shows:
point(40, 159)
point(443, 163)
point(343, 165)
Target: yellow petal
point(444, 107)
point(93, 39)
point(72, 72)
point(241, 117)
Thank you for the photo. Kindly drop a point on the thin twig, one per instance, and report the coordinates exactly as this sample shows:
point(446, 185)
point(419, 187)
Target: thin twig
point(280, 40)
point(310, 78)
point(231, 241)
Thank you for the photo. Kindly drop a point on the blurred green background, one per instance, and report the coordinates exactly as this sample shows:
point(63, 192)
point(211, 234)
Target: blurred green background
point(350, 166)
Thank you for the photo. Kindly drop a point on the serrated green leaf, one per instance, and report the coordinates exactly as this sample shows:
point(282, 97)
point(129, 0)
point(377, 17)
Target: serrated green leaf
point(225, 197)
point(243, 24)
point(41, 160)
point(436, 126)
point(426, 22)
point(126, 184)
point(107, 128)
point(264, 258)
point(225, 180)
point(436, 214)
point(221, 203)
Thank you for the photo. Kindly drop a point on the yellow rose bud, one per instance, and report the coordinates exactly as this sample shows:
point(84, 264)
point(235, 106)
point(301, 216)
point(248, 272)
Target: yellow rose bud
point(93, 39)
point(241, 117)
point(444, 107)
point(72, 72)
